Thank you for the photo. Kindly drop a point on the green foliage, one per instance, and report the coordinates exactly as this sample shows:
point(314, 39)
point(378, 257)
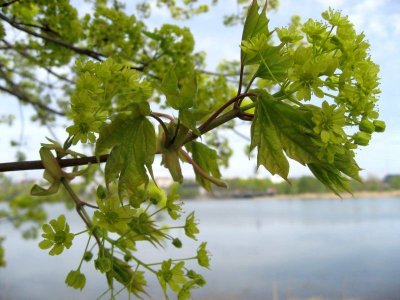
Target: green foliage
point(304, 88)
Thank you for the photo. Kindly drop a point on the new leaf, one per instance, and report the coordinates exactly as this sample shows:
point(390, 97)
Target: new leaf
point(133, 143)
point(256, 23)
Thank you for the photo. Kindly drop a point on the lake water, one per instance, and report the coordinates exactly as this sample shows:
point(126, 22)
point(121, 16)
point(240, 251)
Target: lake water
point(275, 249)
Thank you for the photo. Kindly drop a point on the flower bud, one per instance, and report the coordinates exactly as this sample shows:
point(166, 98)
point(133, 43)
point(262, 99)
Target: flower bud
point(362, 138)
point(366, 126)
point(177, 243)
point(380, 126)
point(102, 264)
point(76, 280)
point(87, 256)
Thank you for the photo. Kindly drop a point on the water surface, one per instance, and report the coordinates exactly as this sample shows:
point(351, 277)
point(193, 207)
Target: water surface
point(275, 249)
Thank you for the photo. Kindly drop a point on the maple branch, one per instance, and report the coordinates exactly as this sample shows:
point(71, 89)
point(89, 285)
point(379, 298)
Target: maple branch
point(38, 165)
point(223, 107)
point(93, 54)
point(214, 121)
point(24, 98)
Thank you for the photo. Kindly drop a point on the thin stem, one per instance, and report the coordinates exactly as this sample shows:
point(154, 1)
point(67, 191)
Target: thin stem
point(81, 232)
point(83, 256)
point(79, 209)
point(158, 119)
point(222, 108)
point(199, 170)
point(162, 115)
point(240, 80)
point(250, 83)
point(143, 264)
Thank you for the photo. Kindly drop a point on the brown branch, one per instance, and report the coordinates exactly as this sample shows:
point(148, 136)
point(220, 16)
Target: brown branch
point(25, 54)
point(24, 98)
point(222, 108)
point(8, 3)
point(15, 91)
point(93, 54)
point(38, 165)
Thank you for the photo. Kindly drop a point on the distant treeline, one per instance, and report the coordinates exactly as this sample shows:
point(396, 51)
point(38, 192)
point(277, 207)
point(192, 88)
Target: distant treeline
point(305, 184)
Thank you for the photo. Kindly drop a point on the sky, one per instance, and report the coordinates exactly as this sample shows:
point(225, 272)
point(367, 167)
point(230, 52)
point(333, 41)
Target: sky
point(378, 19)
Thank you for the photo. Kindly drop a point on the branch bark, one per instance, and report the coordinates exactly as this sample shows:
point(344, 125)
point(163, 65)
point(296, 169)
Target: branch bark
point(37, 164)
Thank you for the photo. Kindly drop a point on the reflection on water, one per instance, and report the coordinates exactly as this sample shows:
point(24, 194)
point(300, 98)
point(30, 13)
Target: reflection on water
point(276, 249)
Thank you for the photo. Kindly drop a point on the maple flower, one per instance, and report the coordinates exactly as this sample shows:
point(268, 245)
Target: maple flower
point(56, 236)
point(112, 216)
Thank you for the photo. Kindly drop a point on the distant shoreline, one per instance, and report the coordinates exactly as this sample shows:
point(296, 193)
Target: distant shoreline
point(310, 196)
point(356, 195)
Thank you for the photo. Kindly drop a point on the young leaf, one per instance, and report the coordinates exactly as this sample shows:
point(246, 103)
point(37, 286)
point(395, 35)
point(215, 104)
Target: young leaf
point(273, 66)
point(180, 94)
point(170, 160)
point(256, 23)
point(133, 143)
point(264, 136)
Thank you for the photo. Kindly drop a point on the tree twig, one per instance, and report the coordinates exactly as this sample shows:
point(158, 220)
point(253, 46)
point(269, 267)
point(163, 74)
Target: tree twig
point(93, 54)
point(37, 164)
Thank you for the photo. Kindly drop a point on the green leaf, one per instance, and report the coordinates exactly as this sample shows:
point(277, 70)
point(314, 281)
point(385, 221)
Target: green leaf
point(274, 65)
point(180, 94)
point(330, 176)
point(40, 191)
point(170, 160)
point(264, 136)
point(294, 128)
point(256, 23)
point(207, 159)
point(133, 143)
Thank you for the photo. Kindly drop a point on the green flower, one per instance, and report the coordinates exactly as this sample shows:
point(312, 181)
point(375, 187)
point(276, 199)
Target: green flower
point(57, 236)
point(174, 206)
point(112, 216)
point(329, 122)
point(203, 256)
point(191, 226)
point(174, 277)
point(76, 280)
point(85, 125)
point(196, 281)
point(305, 75)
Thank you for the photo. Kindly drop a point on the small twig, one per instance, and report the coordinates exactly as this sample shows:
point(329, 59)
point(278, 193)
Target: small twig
point(223, 107)
point(93, 54)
